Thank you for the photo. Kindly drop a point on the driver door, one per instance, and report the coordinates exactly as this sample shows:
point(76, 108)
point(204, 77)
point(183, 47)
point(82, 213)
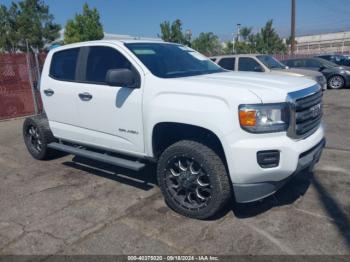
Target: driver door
point(110, 116)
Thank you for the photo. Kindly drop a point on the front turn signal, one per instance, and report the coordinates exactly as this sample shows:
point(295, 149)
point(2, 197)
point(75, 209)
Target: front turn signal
point(247, 118)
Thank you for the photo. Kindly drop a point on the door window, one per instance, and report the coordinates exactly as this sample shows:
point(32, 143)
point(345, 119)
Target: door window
point(63, 64)
point(100, 60)
point(299, 63)
point(313, 63)
point(228, 63)
point(249, 64)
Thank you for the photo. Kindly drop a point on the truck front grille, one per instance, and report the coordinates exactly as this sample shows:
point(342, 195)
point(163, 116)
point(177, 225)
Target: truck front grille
point(306, 111)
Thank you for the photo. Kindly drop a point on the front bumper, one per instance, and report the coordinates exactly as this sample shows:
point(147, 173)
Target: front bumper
point(347, 80)
point(249, 192)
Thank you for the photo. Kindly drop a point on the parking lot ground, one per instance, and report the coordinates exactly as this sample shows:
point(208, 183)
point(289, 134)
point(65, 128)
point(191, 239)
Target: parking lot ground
point(74, 206)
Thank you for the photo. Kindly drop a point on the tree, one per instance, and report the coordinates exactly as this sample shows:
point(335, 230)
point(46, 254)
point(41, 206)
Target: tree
point(208, 44)
point(245, 32)
point(267, 41)
point(84, 27)
point(30, 22)
point(173, 32)
point(289, 41)
point(244, 48)
point(228, 48)
point(7, 28)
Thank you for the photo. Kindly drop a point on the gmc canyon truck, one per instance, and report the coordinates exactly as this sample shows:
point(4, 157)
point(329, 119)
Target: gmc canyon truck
point(215, 134)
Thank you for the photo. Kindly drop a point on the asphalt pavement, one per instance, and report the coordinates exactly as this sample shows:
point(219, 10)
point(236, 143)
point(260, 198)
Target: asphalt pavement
point(73, 206)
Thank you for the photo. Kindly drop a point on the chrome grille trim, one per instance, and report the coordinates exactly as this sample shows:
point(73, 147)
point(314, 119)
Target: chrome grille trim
point(301, 103)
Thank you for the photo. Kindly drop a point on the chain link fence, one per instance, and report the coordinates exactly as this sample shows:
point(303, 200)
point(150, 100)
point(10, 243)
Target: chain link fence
point(19, 75)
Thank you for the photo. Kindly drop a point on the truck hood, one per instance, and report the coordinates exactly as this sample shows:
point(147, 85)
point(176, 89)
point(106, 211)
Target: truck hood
point(269, 88)
point(296, 72)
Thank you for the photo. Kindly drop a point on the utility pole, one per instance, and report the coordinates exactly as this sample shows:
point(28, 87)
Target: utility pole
point(292, 29)
point(238, 32)
point(233, 42)
point(236, 37)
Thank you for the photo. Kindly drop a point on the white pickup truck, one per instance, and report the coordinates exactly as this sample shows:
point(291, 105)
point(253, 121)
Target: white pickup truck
point(215, 134)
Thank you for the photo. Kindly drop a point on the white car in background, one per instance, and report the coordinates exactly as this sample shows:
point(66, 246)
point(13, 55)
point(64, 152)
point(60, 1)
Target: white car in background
point(266, 64)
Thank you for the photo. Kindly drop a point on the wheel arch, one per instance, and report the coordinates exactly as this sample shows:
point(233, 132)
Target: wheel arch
point(166, 133)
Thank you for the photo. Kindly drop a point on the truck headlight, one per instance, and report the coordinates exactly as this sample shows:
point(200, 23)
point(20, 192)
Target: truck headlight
point(264, 118)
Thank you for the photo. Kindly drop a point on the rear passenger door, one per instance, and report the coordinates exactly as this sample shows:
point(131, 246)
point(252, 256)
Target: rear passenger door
point(227, 63)
point(58, 84)
point(110, 116)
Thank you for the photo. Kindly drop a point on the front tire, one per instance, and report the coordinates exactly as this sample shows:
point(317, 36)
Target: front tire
point(193, 179)
point(37, 135)
point(336, 82)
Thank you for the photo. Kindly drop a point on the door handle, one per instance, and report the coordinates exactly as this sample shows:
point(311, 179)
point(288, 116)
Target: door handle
point(85, 96)
point(49, 92)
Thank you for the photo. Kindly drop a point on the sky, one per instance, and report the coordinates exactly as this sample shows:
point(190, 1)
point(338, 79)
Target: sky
point(142, 17)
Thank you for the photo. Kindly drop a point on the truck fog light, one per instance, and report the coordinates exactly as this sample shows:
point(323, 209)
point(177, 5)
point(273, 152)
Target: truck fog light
point(268, 159)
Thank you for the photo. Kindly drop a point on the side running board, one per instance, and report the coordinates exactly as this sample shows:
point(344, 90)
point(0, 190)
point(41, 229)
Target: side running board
point(129, 164)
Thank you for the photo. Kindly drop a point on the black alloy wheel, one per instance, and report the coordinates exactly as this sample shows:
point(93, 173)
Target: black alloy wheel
point(187, 183)
point(37, 135)
point(34, 139)
point(193, 179)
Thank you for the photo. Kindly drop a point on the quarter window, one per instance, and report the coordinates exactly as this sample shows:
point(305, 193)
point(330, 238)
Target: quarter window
point(228, 63)
point(63, 64)
point(100, 60)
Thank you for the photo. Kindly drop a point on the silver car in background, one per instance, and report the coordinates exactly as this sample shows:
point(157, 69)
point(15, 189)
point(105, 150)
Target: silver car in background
point(266, 64)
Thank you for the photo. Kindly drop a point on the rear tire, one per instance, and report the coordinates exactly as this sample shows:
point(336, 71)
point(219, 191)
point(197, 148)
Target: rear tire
point(193, 179)
point(37, 135)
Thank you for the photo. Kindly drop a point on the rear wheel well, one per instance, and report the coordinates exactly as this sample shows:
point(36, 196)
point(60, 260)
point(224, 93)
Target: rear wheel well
point(168, 133)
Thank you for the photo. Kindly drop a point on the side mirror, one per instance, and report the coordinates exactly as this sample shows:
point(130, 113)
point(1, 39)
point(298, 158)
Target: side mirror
point(122, 77)
point(258, 69)
point(321, 68)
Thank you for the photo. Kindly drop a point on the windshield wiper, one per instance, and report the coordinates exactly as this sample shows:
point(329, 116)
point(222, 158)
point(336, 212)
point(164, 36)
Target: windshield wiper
point(191, 73)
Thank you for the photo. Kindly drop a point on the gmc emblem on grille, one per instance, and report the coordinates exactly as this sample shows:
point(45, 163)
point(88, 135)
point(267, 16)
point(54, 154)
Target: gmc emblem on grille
point(315, 110)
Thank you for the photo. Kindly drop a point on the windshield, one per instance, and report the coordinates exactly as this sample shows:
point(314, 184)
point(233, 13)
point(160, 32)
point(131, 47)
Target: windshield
point(271, 62)
point(173, 60)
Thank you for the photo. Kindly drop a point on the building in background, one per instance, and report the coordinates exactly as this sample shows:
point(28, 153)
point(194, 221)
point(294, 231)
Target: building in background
point(338, 42)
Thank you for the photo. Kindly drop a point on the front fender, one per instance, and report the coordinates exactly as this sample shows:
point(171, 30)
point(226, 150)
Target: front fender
point(212, 113)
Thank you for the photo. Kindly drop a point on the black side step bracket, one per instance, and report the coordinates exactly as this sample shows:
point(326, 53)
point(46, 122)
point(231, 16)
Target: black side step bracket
point(129, 164)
